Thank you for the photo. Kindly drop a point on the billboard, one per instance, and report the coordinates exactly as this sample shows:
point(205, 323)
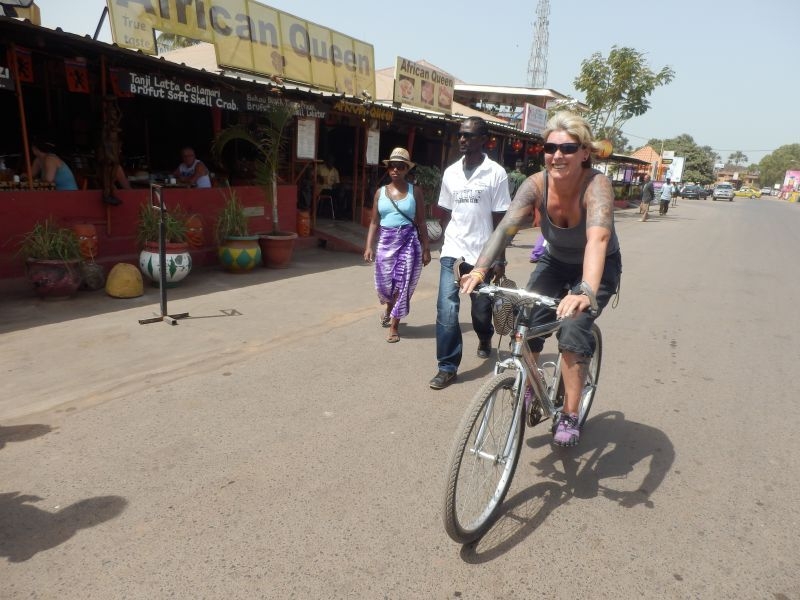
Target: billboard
point(533, 119)
point(423, 86)
point(791, 181)
point(250, 36)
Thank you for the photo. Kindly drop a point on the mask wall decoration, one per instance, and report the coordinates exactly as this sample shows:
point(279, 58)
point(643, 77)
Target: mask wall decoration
point(87, 238)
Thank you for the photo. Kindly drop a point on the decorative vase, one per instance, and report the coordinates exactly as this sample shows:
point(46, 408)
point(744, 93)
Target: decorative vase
point(194, 231)
point(303, 223)
point(178, 262)
point(54, 278)
point(240, 254)
point(87, 239)
point(277, 248)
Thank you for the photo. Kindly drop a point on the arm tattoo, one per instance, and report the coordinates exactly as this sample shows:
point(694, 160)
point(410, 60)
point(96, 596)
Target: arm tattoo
point(600, 204)
point(520, 213)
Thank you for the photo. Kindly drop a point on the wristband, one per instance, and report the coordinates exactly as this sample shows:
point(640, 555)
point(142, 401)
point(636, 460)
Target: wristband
point(479, 275)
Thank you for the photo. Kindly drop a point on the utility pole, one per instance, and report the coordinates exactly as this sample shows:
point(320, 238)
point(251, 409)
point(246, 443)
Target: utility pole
point(537, 64)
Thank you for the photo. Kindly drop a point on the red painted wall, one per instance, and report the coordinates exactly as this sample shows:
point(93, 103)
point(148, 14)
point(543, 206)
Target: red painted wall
point(116, 225)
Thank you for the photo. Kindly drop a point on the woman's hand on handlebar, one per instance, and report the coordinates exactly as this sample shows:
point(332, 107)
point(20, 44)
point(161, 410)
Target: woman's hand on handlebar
point(571, 305)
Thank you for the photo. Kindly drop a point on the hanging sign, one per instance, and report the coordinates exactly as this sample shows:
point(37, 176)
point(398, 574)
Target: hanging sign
point(422, 86)
point(534, 118)
point(306, 138)
point(6, 79)
point(77, 76)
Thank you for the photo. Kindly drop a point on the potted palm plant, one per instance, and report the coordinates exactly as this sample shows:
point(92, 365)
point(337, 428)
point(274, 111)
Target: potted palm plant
point(178, 261)
point(267, 139)
point(238, 251)
point(52, 259)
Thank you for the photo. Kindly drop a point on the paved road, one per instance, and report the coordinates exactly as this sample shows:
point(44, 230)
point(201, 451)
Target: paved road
point(287, 451)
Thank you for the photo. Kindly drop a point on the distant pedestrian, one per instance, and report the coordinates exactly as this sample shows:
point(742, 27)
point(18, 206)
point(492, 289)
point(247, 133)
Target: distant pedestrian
point(675, 194)
point(666, 196)
point(515, 179)
point(648, 194)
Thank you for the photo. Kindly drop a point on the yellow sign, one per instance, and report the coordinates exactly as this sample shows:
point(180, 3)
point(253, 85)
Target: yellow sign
point(250, 36)
point(422, 86)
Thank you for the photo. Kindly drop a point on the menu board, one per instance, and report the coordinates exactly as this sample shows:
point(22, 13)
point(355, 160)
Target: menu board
point(306, 138)
point(373, 143)
point(420, 85)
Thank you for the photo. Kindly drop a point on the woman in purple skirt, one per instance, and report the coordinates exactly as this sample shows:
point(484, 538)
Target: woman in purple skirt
point(397, 209)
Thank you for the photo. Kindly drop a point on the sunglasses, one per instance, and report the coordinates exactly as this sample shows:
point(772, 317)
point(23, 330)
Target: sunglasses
point(467, 135)
point(398, 165)
point(568, 148)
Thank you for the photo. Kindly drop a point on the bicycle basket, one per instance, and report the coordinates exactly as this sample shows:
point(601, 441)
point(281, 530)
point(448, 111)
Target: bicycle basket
point(503, 309)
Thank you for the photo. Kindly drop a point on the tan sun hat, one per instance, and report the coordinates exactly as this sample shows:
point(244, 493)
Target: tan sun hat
point(400, 155)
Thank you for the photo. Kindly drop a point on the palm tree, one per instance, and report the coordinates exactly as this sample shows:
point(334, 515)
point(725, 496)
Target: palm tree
point(267, 138)
point(737, 158)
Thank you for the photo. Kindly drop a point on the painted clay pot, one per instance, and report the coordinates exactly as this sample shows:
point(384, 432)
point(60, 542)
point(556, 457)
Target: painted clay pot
point(178, 262)
point(87, 239)
point(240, 254)
point(194, 231)
point(54, 279)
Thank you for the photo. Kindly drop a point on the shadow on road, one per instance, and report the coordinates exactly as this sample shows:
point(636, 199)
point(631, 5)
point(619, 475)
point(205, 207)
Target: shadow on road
point(22, 433)
point(26, 530)
point(609, 450)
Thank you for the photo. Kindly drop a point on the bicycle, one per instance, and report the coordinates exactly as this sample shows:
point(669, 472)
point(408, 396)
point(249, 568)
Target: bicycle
point(488, 441)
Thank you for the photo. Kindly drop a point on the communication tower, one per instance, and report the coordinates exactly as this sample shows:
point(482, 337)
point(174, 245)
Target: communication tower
point(537, 64)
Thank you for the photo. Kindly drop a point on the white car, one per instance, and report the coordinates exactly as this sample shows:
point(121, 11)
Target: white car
point(765, 191)
point(723, 191)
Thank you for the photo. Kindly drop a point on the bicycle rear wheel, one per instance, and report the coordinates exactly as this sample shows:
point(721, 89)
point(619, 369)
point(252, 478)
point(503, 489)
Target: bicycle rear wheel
point(480, 469)
point(590, 385)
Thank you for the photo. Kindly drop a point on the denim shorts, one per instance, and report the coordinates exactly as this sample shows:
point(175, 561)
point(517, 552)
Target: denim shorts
point(551, 278)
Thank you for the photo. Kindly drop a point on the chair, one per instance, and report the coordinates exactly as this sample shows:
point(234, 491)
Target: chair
point(329, 198)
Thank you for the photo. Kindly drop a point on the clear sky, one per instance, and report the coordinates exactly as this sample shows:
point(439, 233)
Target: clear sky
point(735, 88)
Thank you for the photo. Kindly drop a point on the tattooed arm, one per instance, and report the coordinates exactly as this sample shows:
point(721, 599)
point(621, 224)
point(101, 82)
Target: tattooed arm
point(518, 215)
point(599, 198)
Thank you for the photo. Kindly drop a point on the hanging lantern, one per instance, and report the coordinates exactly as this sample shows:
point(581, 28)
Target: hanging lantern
point(492, 143)
point(603, 148)
point(535, 149)
point(516, 145)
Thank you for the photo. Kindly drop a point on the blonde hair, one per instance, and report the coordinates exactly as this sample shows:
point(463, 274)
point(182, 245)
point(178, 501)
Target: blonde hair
point(575, 126)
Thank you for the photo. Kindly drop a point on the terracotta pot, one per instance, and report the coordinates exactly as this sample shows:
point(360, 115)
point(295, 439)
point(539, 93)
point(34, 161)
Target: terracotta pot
point(277, 248)
point(194, 231)
point(178, 261)
point(240, 254)
point(303, 223)
point(54, 278)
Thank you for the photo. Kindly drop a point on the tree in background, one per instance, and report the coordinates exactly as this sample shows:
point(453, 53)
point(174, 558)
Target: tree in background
point(698, 165)
point(737, 158)
point(617, 88)
point(773, 167)
point(166, 42)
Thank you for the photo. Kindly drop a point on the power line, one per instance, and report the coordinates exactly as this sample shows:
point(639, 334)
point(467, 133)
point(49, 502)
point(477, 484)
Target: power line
point(638, 137)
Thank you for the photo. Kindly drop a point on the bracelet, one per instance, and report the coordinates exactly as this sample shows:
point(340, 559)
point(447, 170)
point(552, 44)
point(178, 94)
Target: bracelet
point(477, 275)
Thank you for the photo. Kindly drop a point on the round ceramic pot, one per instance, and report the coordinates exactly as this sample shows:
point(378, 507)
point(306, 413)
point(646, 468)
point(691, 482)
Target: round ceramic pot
point(240, 254)
point(178, 263)
point(54, 278)
point(277, 248)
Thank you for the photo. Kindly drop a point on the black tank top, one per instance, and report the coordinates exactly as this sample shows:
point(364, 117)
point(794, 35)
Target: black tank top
point(568, 244)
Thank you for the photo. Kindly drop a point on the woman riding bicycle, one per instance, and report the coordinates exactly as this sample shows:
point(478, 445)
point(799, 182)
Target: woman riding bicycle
point(574, 206)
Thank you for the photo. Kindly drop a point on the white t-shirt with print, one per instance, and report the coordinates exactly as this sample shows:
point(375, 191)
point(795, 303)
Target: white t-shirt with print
point(471, 203)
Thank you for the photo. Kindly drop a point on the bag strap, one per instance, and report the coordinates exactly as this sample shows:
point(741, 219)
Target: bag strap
point(397, 208)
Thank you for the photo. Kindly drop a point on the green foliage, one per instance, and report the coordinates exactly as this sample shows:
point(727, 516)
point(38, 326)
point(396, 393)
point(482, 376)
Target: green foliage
point(148, 225)
point(617, 88)
point(430, 180)
point(48, 241)
point(267, 139)
point(232, 220)
point(773, 167)
point(737, 158)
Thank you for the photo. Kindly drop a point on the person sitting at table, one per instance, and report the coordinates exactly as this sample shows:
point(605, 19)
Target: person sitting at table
point(192, 171)
point(328, 181)
point(49, 167)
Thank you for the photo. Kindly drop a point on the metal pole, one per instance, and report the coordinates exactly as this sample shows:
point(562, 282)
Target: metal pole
point(22, 120)
point(100, 23)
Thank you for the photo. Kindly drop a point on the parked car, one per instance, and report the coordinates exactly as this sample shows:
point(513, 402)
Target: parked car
point(765, 191)
point(747, 192)
point(723, 191)
point(693, 191)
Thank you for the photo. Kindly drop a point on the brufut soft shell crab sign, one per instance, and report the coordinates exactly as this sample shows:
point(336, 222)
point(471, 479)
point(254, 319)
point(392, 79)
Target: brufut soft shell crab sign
point(253, 37)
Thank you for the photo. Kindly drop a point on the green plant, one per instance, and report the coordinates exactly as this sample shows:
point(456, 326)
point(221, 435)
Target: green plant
point(148, 226)
point(267, 138)
point(232, 220)
point(48, 241)
point(430, 180)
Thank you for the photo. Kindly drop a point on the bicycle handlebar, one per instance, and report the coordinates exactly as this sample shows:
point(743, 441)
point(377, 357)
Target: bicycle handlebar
point(525, 295)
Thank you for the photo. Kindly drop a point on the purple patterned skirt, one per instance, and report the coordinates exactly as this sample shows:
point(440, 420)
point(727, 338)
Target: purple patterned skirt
point(398, 265)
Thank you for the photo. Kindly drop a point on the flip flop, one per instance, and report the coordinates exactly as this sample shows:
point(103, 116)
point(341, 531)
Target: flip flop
point(385, 320)
point(393, 338)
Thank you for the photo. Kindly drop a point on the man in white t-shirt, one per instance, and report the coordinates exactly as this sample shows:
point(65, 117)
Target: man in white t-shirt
point(474, 197)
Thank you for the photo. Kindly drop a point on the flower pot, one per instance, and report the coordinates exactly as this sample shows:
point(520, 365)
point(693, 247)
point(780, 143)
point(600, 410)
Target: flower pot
point(240, 254)
point(178, 262)
point(277, 248)
point(54, 278)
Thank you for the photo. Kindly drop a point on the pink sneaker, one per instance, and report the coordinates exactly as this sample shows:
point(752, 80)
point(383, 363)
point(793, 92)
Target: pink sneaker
point(567, 431)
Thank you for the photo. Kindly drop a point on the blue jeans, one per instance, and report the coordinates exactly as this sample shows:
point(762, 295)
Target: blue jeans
point(449, 344)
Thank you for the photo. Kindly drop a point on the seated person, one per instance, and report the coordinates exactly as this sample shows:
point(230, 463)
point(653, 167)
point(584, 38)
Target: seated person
point(329, 181)
point(50, 167)
point(192, 171)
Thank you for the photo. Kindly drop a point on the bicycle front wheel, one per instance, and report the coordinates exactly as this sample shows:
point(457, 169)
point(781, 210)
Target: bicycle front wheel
point(483, 459)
